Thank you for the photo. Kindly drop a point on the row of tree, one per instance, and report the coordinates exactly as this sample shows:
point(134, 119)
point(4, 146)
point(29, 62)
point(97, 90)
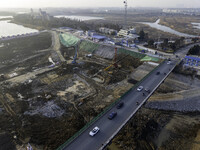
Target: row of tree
point(53, 22)
point(194, 50)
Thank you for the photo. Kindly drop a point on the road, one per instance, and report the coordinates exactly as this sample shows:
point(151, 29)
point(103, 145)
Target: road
point(56, 45)
point(109, 128)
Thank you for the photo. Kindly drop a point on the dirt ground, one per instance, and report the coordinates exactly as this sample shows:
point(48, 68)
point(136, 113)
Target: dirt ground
point(45, 106)
point(159, 130)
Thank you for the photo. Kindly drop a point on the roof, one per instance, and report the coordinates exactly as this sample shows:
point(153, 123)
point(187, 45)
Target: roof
point(99, 37)
point(193, 58)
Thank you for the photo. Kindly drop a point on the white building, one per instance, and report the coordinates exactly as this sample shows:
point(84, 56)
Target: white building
point(107, 31)
point(129, 34)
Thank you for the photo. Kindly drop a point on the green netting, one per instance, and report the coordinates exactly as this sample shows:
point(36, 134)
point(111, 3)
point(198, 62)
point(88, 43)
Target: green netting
point(88, 46)
point(134, 54)
point(148, 58)
point(68, 40)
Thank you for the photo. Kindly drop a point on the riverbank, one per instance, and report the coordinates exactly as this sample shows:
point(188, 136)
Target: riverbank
point(182, 23)
point(40, 28)
point(157, 26)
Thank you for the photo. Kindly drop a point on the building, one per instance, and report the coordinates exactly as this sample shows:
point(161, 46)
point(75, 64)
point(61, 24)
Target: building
point(188, 41)
point(108, 31)
point(98, 38)
point(90, 33)
point(130, 34)
point(41, 15)
point(192, 61)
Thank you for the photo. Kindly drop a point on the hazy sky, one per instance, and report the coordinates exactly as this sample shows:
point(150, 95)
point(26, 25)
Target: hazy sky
point(98, 3)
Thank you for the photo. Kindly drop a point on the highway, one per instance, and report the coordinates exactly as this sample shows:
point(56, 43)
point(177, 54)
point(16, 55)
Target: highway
point(109, 128)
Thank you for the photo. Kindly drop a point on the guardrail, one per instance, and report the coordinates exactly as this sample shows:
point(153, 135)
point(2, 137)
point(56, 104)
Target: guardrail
point(105, 110)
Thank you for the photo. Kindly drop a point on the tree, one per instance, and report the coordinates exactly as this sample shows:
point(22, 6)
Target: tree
point(172, 46)
point(177, 43)
point(194, 50)
point(142, 35)
point(165, 43)
point(150, 42)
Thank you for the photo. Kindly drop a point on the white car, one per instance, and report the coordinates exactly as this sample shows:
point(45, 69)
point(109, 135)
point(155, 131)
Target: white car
point(94, 131)
point(140, 88)
point(169, 62)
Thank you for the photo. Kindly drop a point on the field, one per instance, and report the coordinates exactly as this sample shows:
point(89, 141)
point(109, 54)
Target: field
point(181, 23)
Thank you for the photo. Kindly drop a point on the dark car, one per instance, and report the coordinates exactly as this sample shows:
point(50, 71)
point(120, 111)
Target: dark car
point(112, 115)
point(157, 73)
point(120, 105)
point(147, 90)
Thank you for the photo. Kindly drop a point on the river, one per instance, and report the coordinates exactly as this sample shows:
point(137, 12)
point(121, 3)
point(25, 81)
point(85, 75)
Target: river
point(196, 25)
point(3, 17)
point(9, 29)
point(82, 18)
point(156, 25)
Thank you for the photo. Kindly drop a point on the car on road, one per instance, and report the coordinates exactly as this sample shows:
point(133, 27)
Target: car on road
point(169, 62)
point(140, 88)
point(120, 105)
point(147, 90)
point(157, 73)
point(94, 131)
point(112, 115)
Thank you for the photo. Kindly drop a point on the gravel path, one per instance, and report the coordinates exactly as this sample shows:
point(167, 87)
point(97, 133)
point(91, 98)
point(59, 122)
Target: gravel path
point(186, 105)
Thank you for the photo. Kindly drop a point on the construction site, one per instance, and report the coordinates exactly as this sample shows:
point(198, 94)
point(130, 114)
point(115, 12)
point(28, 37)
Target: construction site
point(53, 87)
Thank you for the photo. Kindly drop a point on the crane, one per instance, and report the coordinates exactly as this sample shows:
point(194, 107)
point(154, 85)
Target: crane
point(115, 61)
point(125, 16)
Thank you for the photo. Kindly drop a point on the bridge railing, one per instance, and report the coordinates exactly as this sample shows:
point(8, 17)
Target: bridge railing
point(105, 110)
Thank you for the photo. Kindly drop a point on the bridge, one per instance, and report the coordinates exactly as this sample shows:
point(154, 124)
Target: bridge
point(133, 101)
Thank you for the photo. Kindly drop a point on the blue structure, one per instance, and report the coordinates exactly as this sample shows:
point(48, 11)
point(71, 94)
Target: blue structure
point(99, 37)
point(192, 61)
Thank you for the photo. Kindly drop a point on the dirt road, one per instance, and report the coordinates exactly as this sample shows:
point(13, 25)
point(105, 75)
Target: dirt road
point(56, 45)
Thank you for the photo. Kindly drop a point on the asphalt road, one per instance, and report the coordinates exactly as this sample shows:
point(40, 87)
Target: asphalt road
point(109, 128)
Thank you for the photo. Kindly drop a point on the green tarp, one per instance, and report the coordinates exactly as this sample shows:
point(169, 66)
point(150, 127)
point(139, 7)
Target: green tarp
point(68, 40)
point(89, 46)
point(134, 54)
point(148, 58)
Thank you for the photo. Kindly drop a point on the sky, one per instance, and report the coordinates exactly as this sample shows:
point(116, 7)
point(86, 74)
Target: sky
point(97, 3)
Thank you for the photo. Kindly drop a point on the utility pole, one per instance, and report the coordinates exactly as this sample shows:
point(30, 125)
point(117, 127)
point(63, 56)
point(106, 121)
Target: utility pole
point(125, 16)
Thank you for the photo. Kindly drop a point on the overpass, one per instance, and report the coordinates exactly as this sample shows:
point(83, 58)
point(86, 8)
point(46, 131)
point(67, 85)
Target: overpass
point(133, 101)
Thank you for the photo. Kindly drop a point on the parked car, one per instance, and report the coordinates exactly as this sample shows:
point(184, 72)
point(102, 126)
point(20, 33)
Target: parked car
point(112, 115)
point(120, 105)
point(140, 88)
point(94, 131)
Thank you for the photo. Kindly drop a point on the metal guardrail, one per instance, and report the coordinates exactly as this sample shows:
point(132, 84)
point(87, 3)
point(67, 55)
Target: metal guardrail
point(105, 110)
